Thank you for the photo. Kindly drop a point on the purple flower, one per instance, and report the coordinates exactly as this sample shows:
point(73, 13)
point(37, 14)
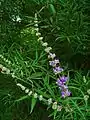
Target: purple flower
point(61, 82)
point(64, 88)
point(51, 55)
point(54, 62)
point(63, 79)
point(65, 93)
point(57, 70)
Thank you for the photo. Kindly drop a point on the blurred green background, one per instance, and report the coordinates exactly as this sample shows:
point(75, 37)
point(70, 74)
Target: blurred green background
point(64, 24)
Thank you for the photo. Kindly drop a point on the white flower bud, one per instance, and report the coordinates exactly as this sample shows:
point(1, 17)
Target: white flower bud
point(13, 75)
point(35, 95)
point(49, 101)
point(56, 61)
point(36, 25)
point(4, 69)
point(67, 109)
point(18, 84)
point(30, 93)
point(86, 97)
point(44, 44)
point(59, 108)
point(88, 91)
point(40, 97)
point(9, 62)
point(36, 21)
point(21, 86)
point(38, 34)
point(18, 19)
point(37, 29)
point(7, 71)
point(54, 106)
point(35, 16)
point(27, 90)
point(48, 49)
point(40, 38)
point(1, 56)
point(4, 59)
point(51, 55)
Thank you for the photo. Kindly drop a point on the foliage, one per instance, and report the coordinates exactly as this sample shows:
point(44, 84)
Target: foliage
point(64, 25)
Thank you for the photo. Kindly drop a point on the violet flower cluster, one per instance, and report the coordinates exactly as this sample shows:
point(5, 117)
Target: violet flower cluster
point(61, 81)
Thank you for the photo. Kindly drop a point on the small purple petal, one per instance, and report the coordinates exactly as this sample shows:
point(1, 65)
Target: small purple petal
point(57, 70)
point(63, 79)
point(68, 93)
point(65, 93)
point(64, 87)
point(52, 63)
point(60, 83)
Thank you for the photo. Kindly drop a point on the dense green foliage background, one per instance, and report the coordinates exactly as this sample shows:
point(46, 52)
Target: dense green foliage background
point(64, 24)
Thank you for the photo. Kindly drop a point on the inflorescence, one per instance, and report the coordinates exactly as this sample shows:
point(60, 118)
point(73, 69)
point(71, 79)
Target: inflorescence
point(57, 69)
point(55, 63)
point(49, 101)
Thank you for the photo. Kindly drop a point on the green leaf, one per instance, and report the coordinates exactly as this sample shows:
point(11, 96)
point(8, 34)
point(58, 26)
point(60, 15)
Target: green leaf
point(62, 1)
point(48, 87)
point(22, 98)
point(52, 9)
point(36, 75)
point(54, 113)
point(33, 103)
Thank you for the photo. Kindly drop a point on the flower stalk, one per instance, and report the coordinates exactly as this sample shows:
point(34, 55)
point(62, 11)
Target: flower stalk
point(49, 101)
point(57, 69)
